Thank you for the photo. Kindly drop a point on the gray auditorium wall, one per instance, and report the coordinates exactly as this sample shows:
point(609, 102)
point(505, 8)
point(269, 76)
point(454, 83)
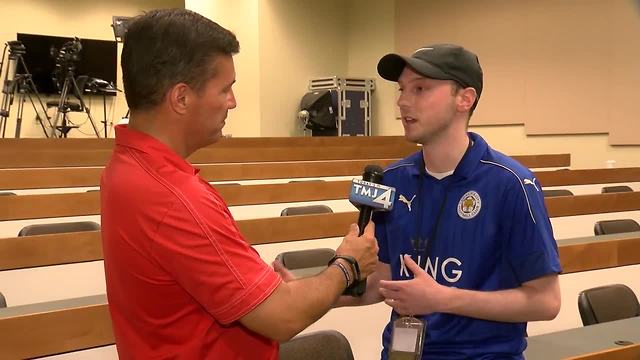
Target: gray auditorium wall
point(559, 67)
point(294, 42)
point(561, 76)
point(241, 17)
point(300, 40)
point(304, 40)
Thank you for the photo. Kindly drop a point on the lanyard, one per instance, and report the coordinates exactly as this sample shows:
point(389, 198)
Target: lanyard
point(421, 247)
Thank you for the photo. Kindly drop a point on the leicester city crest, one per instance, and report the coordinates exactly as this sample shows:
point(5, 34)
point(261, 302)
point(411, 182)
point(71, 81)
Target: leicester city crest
point(469, 205)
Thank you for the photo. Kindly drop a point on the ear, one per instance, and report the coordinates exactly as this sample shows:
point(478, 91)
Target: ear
point(466, 98)
point(178, 98)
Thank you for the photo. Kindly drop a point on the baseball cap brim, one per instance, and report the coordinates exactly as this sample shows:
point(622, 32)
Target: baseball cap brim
point(391, 66)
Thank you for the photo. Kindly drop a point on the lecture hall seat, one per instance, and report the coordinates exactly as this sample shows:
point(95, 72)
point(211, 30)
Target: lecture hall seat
point(319, 345)
point(56, 228)
point(607, 303)
point(306, 210)
point(556, 192)
point(616, 189)
point(606, 227)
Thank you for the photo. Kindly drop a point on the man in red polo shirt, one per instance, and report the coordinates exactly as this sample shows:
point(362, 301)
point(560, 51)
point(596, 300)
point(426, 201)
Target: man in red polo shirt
point(182, 282)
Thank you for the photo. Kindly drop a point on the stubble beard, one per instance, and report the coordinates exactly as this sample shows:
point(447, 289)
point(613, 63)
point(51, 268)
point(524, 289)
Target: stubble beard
point(429, 135)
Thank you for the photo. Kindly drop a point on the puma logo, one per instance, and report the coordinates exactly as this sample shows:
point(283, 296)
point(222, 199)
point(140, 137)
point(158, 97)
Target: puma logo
point(531, 182)
point(408, 202)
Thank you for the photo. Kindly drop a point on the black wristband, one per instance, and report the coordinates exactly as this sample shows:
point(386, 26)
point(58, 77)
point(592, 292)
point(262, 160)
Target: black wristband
point(352, 262)
point(345, 272)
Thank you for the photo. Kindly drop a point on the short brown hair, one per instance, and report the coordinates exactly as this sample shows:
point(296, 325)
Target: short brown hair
point(168, 46)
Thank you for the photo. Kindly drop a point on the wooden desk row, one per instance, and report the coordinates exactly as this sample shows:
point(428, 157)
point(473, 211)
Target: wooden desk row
point(38, 153)
point(30, 251)
point(82, 323)
point(604, 341)
point(88, 203)
point(60, 177)
point(75, 324)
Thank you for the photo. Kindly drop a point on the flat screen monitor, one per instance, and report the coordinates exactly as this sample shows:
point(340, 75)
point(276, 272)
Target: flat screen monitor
point(97, 59)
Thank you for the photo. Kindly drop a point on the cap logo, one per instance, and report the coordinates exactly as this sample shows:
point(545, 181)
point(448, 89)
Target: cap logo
point(421, 49)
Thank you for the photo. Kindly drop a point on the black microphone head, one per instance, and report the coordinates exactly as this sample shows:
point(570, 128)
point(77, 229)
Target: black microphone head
point(373, 173)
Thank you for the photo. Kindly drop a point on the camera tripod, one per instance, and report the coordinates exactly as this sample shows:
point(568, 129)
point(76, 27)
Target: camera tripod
point(65, 107)
point(22, 86)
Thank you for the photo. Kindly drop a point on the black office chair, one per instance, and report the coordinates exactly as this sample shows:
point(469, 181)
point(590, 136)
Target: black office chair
point(56, 228)
point(306, 210)
point(3, 301)
point(319, 345)
point(607, 227)
point(616, 189)
point(556, 192)
point(607, 303)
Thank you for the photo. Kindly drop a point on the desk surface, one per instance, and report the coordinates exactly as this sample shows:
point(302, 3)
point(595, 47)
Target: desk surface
point(20, 310)
point(599, 238)
point(580, 341)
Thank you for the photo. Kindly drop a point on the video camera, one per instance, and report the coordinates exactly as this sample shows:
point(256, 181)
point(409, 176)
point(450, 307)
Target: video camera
point(16, 47)
point(65, 60)
point(68, 54)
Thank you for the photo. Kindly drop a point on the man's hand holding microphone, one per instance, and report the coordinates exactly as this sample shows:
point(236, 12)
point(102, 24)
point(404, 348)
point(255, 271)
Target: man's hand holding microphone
point(357, 255)
point(368, 195)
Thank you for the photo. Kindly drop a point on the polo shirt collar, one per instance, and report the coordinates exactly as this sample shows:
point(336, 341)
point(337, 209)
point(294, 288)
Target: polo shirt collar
point(148, 144)
point(471, 158)
point(467, 164)
point(417, 159)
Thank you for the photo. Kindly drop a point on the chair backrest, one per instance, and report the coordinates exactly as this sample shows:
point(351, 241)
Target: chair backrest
point(305, 210)
point(320, 345)
point(616, 189)
point(556, 192)
point(606, 227)
point(607, 303)
point(300, 259)
point(3, 301)
point(55, 228)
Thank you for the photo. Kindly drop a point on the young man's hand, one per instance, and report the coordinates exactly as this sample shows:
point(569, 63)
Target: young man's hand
point(419, 296)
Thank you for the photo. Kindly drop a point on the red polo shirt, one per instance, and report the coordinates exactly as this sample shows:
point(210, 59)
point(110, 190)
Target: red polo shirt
point(179, 273)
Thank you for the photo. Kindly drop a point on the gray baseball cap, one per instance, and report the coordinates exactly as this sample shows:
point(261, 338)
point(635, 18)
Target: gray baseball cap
point(437, 61)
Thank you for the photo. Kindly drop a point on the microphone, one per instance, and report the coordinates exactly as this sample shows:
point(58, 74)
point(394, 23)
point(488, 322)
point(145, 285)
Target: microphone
point(369, 195)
